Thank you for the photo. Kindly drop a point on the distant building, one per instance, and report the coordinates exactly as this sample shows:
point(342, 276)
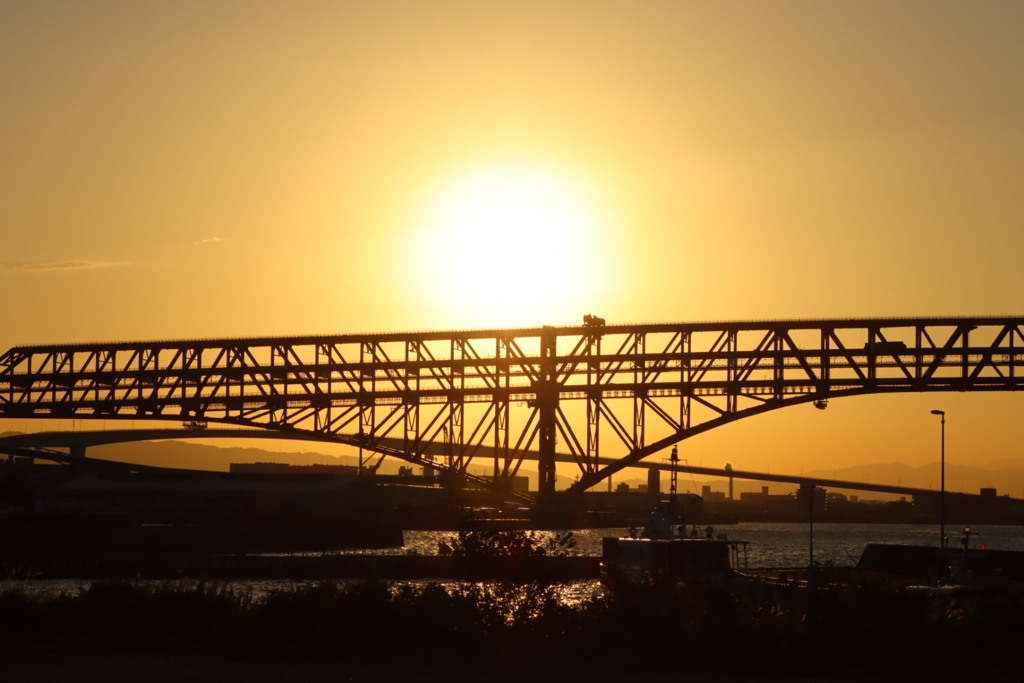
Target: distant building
point(710, 496)
point(519, 484)
point(755, 497)
point(654, 480)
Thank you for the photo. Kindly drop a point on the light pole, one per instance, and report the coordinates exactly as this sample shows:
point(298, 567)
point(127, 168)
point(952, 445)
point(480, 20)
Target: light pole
point(942, 481)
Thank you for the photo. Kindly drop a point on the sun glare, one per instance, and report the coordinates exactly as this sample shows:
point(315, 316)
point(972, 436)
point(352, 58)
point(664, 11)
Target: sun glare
point(511, 245)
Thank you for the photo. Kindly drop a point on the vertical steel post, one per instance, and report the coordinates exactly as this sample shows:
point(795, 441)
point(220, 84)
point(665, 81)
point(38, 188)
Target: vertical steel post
point(547, 407)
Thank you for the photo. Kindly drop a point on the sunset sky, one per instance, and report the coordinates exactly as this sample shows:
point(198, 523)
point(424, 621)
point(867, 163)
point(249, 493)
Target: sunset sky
point(240, 168)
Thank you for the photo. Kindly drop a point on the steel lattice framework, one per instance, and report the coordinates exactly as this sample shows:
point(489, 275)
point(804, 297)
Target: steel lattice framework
point(449, 399)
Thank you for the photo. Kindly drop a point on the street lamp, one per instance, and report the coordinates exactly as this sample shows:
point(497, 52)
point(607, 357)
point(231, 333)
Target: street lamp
point(942, 482)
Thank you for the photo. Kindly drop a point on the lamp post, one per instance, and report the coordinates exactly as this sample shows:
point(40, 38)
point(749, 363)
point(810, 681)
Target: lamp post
point(942, 481)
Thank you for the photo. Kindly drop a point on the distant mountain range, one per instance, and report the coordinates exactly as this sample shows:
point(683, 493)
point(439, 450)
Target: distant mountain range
point(1006, 475)
point(189, 456)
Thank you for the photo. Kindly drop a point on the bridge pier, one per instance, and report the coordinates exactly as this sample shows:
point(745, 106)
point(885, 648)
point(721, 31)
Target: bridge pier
point(547, 409)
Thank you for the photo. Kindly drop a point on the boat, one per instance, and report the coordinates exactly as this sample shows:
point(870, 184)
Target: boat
point(666, 549)
point(921, 567)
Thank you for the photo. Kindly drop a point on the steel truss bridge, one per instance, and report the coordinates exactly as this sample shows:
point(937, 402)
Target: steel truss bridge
point(606, 396)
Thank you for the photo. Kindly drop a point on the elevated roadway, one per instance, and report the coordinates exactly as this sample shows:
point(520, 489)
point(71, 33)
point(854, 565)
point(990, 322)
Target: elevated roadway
point(45, 445)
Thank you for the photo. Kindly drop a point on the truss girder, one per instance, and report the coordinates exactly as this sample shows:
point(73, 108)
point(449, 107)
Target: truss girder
point(495, 397)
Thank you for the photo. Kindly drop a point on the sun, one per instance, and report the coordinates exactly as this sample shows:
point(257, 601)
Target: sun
point(510, 245)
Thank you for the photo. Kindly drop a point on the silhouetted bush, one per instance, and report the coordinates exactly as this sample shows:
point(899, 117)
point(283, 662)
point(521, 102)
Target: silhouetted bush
point(640, 627)
point(508, 543)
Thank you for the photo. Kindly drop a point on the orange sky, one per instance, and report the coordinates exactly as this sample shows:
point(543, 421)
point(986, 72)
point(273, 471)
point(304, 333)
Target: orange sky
point(195, 169)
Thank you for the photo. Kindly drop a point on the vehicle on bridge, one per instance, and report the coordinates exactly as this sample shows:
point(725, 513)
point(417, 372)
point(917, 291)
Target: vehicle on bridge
point(885, 346)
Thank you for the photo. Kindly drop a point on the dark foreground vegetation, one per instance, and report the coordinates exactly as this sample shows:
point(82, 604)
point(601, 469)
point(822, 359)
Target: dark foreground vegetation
point(370, 630)
point(831, 626)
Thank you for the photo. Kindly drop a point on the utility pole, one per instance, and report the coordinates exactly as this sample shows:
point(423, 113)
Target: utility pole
point(942, 480)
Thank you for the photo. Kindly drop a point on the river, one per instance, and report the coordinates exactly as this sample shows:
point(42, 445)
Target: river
point(773, 545)
point(769, 546)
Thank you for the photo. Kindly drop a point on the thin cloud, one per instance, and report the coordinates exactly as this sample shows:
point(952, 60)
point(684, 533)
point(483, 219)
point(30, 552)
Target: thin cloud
point(210, 240)
point(64, 265)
